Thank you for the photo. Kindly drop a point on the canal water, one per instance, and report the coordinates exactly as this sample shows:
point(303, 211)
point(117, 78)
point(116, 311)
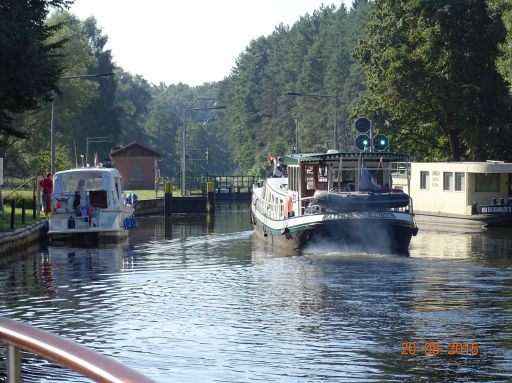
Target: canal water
point(201, 300)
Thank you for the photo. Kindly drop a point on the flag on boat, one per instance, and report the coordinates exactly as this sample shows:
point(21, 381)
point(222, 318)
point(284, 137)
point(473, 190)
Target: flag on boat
point(367, 182)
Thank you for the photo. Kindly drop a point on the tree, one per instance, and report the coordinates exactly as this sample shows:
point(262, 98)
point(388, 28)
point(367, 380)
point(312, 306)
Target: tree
point(431, 75)
point(30, 65)
point(504, 8)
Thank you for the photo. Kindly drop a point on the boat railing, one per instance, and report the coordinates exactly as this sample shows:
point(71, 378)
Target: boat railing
point(272, 210)
point(20, 336)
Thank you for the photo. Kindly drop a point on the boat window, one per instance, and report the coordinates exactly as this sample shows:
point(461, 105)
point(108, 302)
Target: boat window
point(425, 180)
point(447, 181)
point(487, 182)
point(309, 178)
point(459, 181)
point(92, 182)
point(293, 180)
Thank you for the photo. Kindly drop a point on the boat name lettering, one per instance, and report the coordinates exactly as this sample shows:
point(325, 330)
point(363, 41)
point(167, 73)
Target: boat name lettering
point(329, 217)
point(496, 209)
point(381, 214)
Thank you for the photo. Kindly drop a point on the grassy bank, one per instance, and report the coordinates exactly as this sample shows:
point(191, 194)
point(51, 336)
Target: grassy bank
point(5, 219)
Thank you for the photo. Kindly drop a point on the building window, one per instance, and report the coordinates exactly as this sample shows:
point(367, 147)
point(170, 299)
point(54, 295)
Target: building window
point(136, 173)
point(459, 181)
point(447, 180)
point(485, 183)
point(424, 180)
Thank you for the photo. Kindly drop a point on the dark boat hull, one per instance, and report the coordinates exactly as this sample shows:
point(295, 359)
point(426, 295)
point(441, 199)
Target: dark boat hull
point(382, 235)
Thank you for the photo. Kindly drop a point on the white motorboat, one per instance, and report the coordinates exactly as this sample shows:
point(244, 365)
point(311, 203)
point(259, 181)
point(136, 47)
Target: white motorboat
point(90, 206)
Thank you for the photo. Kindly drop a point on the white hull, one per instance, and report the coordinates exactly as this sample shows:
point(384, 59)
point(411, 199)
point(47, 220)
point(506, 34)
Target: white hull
point(102, 211)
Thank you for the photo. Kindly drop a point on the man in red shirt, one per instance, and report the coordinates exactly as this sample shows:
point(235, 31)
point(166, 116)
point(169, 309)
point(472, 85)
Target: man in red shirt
point(46, 185)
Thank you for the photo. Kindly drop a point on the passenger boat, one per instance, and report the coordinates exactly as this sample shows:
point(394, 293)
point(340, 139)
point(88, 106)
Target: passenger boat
point(89, 206)
point(345, 198)
point(466, 195)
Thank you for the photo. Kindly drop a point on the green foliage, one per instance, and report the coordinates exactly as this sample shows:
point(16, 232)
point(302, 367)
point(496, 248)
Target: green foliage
point(503, 8)
point(431, 76)
point(83, 107)
point(30, 64)
point(313, 57)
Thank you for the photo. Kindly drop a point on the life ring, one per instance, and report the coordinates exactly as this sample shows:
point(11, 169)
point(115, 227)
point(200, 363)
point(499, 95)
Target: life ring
point(288, 206)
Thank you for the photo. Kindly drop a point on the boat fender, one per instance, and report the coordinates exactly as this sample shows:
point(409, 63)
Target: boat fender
point(132, 199)
point(133, 222)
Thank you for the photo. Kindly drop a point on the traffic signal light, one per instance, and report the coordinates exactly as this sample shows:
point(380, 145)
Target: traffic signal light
point(363, 142)
point(363, 125)
point(380, 142)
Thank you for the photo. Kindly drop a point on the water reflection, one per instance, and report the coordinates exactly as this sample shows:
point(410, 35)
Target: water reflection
point(195, 299)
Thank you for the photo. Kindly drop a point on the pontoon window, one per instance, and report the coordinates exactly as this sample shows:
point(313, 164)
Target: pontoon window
point(424, 180)
point(459, 181)
point(487, 183)
point(447, 181)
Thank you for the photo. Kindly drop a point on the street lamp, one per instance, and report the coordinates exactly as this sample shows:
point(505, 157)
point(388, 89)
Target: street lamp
point(184, 137)
point(335, 98)
point(52, 123)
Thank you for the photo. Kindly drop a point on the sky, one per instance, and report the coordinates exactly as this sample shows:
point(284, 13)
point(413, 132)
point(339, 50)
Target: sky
point(188, 41)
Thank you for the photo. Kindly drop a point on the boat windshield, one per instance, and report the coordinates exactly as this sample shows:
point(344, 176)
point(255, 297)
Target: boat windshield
point(69, 182)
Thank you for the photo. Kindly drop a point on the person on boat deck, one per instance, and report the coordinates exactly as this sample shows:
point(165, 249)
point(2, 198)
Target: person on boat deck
point(278, 167)
point(46, 185)
point(79, 194)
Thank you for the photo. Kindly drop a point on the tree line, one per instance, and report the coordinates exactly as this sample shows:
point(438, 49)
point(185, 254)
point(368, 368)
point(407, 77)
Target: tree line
point(433, 75)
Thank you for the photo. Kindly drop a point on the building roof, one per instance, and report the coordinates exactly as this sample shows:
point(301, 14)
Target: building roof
point(134, 144)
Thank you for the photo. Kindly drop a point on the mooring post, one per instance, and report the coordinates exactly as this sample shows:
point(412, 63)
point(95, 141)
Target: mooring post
point(23, 210)
point(168, 199)
point(13, 213)
point(210, 195)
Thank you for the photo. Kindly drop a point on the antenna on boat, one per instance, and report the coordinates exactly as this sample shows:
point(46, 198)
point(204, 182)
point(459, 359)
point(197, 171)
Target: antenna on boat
point(76, 158)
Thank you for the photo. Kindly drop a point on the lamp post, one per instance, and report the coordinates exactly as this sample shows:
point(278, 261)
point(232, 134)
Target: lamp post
point(52, 123)
point(335, 98)
point(184, 137)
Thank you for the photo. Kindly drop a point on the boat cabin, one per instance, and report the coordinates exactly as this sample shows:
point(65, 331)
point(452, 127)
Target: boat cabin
point(463, 188)
point(351, 173)
point(97, 187)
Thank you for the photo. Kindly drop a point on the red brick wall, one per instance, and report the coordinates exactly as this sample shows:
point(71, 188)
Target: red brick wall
point(146, 181)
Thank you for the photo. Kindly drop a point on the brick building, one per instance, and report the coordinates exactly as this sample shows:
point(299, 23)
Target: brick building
point(138, 166)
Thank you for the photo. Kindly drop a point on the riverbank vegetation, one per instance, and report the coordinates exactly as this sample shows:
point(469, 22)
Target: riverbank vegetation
point(434, 76)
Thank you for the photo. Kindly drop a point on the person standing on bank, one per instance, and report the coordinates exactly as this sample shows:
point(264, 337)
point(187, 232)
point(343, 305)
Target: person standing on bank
point(46, 185)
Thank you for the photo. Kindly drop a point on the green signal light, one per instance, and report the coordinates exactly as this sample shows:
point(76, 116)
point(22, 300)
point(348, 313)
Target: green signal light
point(380, 142)
point(362, 142)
